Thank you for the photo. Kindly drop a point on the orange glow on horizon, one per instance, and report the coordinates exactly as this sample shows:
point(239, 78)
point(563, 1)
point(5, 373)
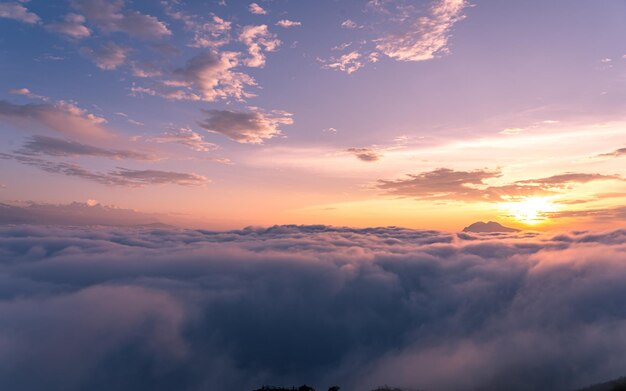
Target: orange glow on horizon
point(531, 210)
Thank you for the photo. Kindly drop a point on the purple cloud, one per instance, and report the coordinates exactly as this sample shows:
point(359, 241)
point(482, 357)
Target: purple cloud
point(63, 117)
point(44, 145)
point(16, 11)
point(108, 56)
point(251, 127)
point(289, 304)
point(448, 184)
point(72, 26)
point(365, 154)
point(112, 16)
point(118, 177)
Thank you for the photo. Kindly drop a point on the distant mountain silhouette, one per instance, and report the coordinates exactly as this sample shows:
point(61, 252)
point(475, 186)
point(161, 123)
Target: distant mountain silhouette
point(613, 385)
point(301, 388)
point(307, 388)
point(76, 214)
point(155, 226)
point(491, 226)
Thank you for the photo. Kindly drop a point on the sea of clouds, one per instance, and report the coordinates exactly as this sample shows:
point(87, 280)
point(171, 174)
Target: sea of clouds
point(168, 309)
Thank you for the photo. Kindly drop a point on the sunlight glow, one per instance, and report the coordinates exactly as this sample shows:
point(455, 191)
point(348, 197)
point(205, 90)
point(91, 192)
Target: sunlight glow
point(531, 210)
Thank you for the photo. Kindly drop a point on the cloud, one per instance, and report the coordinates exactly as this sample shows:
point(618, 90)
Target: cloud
point(593, 214)
point(118, 177)
point(212, 75)
point(186, 137)
point(17, 11)
point(440, 183)
point(148, 308)
point(44, 145)
point(27, 93)
point(256, 9)
point(288, 23)
point(258, 39)
point(130, 120)
point(207, 76)
point(145, 69)
point(349, 24)
point(405, 32)
point(251, 127)
point(211, 33)
point(63, 117)
point(427, 36)
point(111, 16)
point(152, 177)
point(448, 184)
point(75, 214)
point(512, 130)
point(569, 178)
point(349, 62)
point(108, 56)
point(617, 153)
point(365, 154)
point(165, 49)
point(72, 26)
point(163, 92)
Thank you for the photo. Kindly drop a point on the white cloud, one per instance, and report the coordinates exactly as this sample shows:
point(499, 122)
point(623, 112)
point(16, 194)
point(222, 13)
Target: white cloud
point(72, 26)
point(145, 69)
point(28, 93)
point(208, 76)
point(186, 137)
point(288, 23)
point(212, 74)
point(349, 24)
point(511, 130)
point(427, 36)
point(212, 33)
point(258, 39)
point(349, 62)
point(256, 9)
point(17, 11)
point(135, 122)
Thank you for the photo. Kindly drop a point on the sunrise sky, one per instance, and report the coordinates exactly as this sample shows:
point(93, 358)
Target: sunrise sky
point(223, 114)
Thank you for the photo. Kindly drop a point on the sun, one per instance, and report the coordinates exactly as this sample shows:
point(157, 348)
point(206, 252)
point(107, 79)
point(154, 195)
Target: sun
point(531, 210)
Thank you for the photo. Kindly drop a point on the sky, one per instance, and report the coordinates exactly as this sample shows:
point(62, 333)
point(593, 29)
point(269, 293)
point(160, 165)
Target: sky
point(224, 114)
point(221, 194)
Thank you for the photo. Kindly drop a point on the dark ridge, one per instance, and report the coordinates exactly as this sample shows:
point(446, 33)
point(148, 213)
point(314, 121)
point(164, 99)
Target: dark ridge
point(491, 226)
point(613, 385)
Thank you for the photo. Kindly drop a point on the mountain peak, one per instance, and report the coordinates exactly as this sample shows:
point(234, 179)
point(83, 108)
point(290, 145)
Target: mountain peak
point(490, 226)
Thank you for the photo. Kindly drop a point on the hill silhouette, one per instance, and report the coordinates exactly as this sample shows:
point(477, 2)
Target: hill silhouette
point(488, 227)
point(613, 385)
